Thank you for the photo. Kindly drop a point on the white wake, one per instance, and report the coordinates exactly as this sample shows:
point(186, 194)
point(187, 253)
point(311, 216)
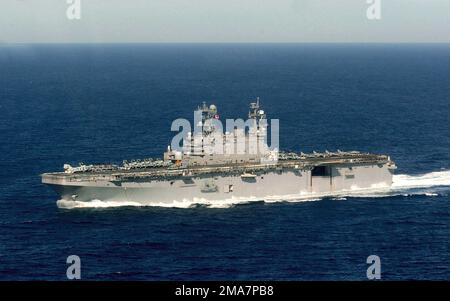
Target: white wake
point(432, 179)
point(405, 185)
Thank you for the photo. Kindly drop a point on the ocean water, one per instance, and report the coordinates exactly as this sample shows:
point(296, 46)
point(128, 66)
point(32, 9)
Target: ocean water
point(105, 103)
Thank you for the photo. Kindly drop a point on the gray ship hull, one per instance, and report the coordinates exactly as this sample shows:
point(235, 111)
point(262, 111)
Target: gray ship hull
point(285, 183)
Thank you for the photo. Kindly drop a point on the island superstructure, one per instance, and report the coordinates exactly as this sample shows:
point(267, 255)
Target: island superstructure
point(240, 170)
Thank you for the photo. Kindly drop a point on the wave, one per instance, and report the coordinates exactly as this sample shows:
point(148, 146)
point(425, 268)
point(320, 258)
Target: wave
point(185, 203)
point(403, 185)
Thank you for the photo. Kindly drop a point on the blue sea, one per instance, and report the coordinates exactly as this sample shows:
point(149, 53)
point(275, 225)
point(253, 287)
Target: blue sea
point(105, 103)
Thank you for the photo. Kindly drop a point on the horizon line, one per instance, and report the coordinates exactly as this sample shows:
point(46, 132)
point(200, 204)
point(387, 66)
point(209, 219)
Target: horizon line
point(217, 43)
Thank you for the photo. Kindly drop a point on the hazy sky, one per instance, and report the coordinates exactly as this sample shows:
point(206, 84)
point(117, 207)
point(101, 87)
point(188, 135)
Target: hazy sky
point(26, 21)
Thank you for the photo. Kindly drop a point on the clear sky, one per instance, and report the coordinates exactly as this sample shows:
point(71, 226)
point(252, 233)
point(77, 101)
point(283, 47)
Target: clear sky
point(111, 21)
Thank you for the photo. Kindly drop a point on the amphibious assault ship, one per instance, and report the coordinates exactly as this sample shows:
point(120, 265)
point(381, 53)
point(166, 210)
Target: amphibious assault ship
point(242, 169)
